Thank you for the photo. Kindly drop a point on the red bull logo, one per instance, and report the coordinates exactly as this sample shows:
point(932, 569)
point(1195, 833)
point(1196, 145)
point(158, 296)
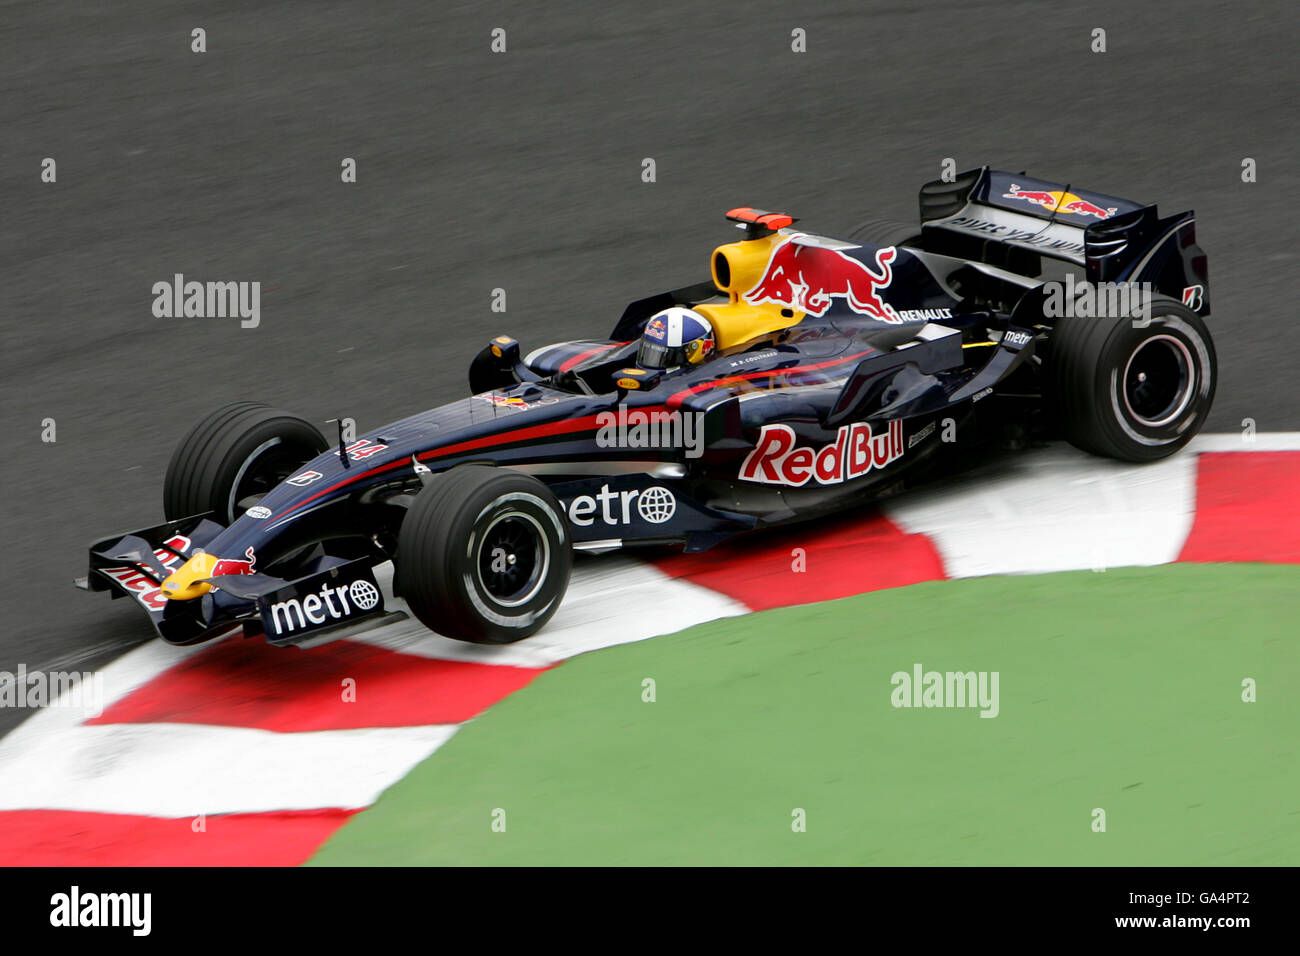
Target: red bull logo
point(778, 459)
point(514, 401)
point(505, 401)
point(233, 565)
point(807, 278)
point(1058, 200)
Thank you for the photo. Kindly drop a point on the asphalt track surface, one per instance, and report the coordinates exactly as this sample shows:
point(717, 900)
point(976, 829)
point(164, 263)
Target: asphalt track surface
point(522, 170)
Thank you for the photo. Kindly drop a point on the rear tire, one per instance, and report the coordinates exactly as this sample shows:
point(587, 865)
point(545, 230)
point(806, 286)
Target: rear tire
point(1132, 390)
point(232, 457)
point(483, 555)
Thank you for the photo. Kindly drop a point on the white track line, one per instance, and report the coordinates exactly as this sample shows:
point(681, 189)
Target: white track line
point(181, 770)
point(1055, 509)
point(1060, 509)
point(611, 600)
point(1261, 441)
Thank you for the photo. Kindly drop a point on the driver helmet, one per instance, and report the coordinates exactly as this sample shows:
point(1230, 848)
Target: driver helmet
point(675, 337)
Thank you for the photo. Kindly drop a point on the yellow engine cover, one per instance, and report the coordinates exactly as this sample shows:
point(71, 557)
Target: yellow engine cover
point(737, 268)
point(735, 323)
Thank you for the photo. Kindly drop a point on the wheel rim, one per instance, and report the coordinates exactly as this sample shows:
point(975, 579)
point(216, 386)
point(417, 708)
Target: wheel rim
point(270, 463)
point(1158, 381)
point(513, 559)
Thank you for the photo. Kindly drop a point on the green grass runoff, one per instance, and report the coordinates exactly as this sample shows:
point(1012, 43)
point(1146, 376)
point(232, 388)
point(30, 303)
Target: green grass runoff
point(1119, 690)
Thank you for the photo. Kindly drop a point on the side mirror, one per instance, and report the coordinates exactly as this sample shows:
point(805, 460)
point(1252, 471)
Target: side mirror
point(505, 351)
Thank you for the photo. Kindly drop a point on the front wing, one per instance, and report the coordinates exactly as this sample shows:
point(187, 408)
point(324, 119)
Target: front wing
point(331, 597)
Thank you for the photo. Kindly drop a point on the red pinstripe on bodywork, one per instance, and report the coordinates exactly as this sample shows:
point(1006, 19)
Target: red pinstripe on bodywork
point(675, 400)
point(586, 423)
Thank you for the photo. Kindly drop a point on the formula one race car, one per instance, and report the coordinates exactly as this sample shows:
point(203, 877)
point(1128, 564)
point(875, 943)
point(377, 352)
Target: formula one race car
point(808, 374)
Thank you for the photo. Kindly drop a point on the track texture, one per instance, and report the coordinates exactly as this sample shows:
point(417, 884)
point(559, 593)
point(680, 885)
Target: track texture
point(521, 170)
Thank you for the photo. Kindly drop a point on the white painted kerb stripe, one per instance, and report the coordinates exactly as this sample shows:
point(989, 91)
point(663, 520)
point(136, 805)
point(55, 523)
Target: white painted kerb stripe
point(1055, 509)
point(181, 770)
point(612, 600)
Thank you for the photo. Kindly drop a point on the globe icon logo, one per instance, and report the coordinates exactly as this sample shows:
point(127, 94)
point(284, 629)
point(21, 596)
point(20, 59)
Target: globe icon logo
point(364, 595)
point(656, 504)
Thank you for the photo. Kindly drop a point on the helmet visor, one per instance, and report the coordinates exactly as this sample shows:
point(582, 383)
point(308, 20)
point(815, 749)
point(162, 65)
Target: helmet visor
point(655, 355)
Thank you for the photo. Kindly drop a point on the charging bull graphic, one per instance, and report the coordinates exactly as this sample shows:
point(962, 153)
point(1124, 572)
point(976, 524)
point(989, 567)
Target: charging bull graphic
point(514, 401)
point(234, 566)
point(1056, 199)
point(806, 278)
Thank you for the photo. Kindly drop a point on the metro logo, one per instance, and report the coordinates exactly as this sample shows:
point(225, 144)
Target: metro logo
point(655, 504)
point(331, 603)
point(777, 460)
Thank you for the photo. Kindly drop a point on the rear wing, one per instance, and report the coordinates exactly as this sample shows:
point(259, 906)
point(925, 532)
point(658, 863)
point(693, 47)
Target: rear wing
point(1023, 225)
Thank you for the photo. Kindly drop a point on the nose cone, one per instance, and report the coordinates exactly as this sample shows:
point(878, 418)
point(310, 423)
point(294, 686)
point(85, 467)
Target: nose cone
point(189, 580)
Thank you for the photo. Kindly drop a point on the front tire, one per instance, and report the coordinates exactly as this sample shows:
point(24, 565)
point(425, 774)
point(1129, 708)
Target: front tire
point(230, 459)
point(483, 555)
point(1133, 390)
